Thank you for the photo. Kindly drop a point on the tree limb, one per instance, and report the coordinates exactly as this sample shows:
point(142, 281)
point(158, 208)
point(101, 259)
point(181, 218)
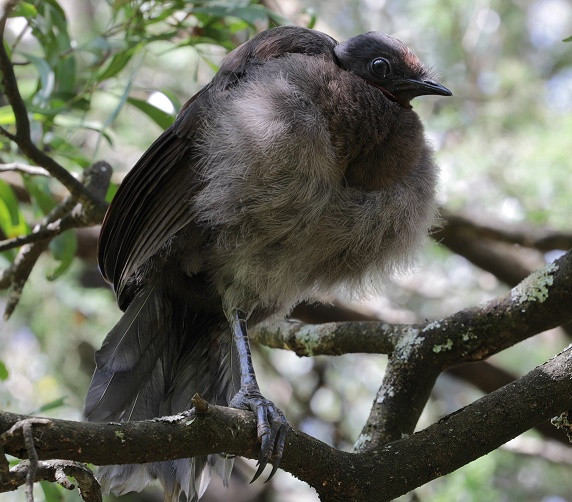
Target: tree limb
point(538, 238)
point(333, 339)
point(391, 470)
point(542, 301)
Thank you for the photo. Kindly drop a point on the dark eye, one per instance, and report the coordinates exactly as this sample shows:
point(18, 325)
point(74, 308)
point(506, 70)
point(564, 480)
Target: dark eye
point(381, 67)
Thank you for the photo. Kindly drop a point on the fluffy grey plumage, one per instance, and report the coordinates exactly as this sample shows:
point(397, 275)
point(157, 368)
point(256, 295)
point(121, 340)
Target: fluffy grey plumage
point(299, 170)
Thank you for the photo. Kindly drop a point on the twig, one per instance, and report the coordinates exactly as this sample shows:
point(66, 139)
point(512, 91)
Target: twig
point(26, 426)
point(42, 232)
point(200, 405)
point(55, 471)
point(33, 457)
point(8, 134)
point(66, 215)
point(24, 168)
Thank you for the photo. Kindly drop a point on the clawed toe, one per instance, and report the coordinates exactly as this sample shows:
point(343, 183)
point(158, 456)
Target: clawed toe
point(272, 429)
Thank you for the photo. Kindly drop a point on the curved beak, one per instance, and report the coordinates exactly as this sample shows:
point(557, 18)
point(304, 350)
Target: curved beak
point(410, 88)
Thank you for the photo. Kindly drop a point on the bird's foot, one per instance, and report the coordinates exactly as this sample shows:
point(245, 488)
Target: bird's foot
point(272, 426)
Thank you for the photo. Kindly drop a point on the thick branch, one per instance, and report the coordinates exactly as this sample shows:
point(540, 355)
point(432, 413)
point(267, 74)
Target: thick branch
point(540, 302)
point(378, 475)
point(331, 339)
point(502, 261)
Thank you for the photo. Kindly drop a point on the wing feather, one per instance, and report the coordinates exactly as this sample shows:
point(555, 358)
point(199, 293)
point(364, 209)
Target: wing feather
point(153, 202)
point(151, 205)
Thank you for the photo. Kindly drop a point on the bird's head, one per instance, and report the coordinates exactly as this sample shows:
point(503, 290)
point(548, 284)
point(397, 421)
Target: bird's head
point(389, 65)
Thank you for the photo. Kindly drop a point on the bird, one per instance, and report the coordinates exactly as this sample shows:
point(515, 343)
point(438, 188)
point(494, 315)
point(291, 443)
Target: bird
point(300, 170)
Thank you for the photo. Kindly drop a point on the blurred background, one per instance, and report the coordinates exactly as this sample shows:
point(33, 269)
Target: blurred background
point(503, 142)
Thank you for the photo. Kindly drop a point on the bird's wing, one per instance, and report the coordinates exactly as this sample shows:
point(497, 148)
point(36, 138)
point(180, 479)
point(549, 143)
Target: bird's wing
point(152, 203)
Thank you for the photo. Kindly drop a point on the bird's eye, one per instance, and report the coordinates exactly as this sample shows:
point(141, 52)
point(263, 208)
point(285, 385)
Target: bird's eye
point(381, 67)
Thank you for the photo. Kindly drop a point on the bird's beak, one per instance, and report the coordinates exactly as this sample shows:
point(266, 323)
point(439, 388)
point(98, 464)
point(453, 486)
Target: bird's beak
point(410, 88)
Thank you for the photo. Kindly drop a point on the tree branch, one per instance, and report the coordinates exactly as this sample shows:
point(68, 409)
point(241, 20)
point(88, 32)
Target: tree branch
point(47, 231)
point(541, 239)
point(333, 339)
point(66, 215)
point(542, 301)
point(539, 303)
point(447, 445)
point(24, 169)
point(55, 471)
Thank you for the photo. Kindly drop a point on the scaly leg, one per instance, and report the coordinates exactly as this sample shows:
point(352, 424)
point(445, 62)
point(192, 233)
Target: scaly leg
point(272, 426)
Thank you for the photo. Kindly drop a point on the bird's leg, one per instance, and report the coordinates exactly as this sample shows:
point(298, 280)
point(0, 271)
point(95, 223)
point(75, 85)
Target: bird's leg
point(272, 426)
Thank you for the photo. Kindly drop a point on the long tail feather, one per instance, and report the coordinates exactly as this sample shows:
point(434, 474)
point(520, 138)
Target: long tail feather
point(151, 363)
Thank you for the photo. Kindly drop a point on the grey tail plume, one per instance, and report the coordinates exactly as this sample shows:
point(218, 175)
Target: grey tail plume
point(151, 364)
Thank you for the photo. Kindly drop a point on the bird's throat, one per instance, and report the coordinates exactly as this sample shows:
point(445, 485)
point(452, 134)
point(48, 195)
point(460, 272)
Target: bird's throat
point(393, 97)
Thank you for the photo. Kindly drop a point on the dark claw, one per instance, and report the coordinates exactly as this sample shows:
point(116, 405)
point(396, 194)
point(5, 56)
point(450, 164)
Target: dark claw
point(258, 472)
point(272, 428)
point(278, 450)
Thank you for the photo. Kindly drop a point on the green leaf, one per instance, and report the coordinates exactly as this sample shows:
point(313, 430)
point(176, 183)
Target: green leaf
point(56, 403)
point(47, 77)
point(3, 371)
point(122, 100)
point(161, 118)
point(40, 191)
point(117, 63)
point(12, 221)
point(24, 9)
point(73, 123)
point(63, 249)
point(7, 115)
point(113, 187)
point(313, 17)
point(52, 493)
point(569, 39)
point(250, 14)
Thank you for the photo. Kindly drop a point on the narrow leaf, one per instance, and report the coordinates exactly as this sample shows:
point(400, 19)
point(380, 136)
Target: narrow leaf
point(161, 118)
point(12, 221)
point(3, 371)
point(56, 403)
point(63, 249)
